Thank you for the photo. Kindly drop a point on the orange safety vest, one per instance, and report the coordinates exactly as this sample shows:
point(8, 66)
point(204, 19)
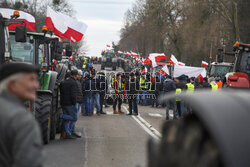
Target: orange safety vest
point(220, 84)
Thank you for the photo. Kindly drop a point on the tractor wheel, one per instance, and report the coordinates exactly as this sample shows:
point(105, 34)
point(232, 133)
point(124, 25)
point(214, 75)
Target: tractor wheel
point(43, 109)
point(186, 143)
point(54, 115)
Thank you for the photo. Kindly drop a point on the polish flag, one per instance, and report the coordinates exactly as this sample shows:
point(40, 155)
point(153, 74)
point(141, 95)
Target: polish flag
point(120, 52)
point(173, 60)
point(65, 26)
point(28, 18)
point(181, 64)
point(108, 46)
point(134, 54)
point(204, 64)
point(145, 70)
point(156, 57)
point(164, 71)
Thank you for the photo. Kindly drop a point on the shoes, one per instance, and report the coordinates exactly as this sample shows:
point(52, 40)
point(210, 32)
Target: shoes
point(115, 112)
point(70, 137)
point(98, 113)
point(103, 112)
point(129, 114)
point(120, 112)
point(135, 114)
point(85, 114)
point(63, 135)
point(75, 134)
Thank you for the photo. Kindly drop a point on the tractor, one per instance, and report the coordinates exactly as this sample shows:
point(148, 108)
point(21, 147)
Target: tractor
point(43, 50)
point(240, 77)
point(109, 59)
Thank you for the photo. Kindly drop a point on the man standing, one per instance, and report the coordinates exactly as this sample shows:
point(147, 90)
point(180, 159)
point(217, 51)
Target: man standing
point(103, 89)
point(132, 88)
point(169, 87)
point(20, 139)
point(95, 88)
point(117, 94)
point(68, 92)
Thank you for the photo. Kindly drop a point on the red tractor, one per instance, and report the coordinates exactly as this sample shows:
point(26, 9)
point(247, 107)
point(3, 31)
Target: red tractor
point(240, 77)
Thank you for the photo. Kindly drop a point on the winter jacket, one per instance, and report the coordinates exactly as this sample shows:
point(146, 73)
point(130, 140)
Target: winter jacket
point(68, 92)
point(169, 86)
point(20, 139)
point(206, 85)
point(132, 87)
point(79, 97)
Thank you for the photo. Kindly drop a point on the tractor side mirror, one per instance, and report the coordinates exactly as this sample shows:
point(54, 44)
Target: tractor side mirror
point(220, 55)
point(21, 34)
point(68, 50)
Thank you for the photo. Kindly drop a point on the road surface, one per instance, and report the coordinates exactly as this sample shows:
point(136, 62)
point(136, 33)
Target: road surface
point(108, 140)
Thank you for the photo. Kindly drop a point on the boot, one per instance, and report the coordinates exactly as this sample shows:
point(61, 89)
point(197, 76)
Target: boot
point(115, 112)
point(120, 111)
point(63, 135)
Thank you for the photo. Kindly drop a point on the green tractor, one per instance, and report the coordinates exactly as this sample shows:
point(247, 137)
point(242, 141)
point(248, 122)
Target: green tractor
point(42, 50)
point(109, 59)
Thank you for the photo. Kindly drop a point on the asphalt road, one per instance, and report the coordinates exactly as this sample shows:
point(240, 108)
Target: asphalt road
point(108, 140)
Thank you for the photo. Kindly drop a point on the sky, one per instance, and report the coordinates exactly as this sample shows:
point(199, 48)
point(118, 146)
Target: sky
point(104, 19)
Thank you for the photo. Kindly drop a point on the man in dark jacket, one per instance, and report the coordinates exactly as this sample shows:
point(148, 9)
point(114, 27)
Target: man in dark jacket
point(132, 87)
point(68, 92)
point(169, 87)
point(156, 88)
point(103, 89)
point(205, 84)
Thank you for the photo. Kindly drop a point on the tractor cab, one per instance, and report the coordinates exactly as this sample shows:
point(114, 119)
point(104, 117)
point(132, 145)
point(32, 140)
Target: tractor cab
point(240, 77)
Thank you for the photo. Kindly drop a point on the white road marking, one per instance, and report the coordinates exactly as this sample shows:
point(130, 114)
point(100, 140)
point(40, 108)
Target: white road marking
point(145, 125)
point(155, 115)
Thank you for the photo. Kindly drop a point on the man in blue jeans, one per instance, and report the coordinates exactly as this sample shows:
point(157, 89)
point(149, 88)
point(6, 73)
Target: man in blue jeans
point(169, 87)
point(68, 92)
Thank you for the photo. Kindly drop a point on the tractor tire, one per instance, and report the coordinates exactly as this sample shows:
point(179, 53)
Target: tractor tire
point(43, 108)
point(54, 115)
point(185, 143)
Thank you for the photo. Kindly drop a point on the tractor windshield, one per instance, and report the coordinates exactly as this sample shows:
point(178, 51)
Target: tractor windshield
point(21, 51)
point(243, 63)
point(220, 70)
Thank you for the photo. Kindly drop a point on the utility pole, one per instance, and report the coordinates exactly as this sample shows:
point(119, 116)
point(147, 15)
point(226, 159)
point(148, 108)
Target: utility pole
point(237, 31)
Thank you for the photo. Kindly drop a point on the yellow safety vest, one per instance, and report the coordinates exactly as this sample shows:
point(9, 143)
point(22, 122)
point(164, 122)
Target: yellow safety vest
point(190, 88)
point(118, 89)
point(142, 84)
point(214, 87)
point(84, 66)
point(149, 85)
point(178, 92)
point(112, 82)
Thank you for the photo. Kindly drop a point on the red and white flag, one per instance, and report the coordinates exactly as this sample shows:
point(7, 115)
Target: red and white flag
point(134, 54)
point(108, 46)
point(149, 62)
point(65, 26)
point(204, 64)
point(173, 60)
point(156, 57)
point(181, 64)
point(145, 70)
point(28, 18)
point(164, 71)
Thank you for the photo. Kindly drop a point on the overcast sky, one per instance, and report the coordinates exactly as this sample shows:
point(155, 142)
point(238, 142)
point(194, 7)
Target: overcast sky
point(104, 19)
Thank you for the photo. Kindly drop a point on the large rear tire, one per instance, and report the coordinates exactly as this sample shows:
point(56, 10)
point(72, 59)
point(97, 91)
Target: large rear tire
point(43, 109)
